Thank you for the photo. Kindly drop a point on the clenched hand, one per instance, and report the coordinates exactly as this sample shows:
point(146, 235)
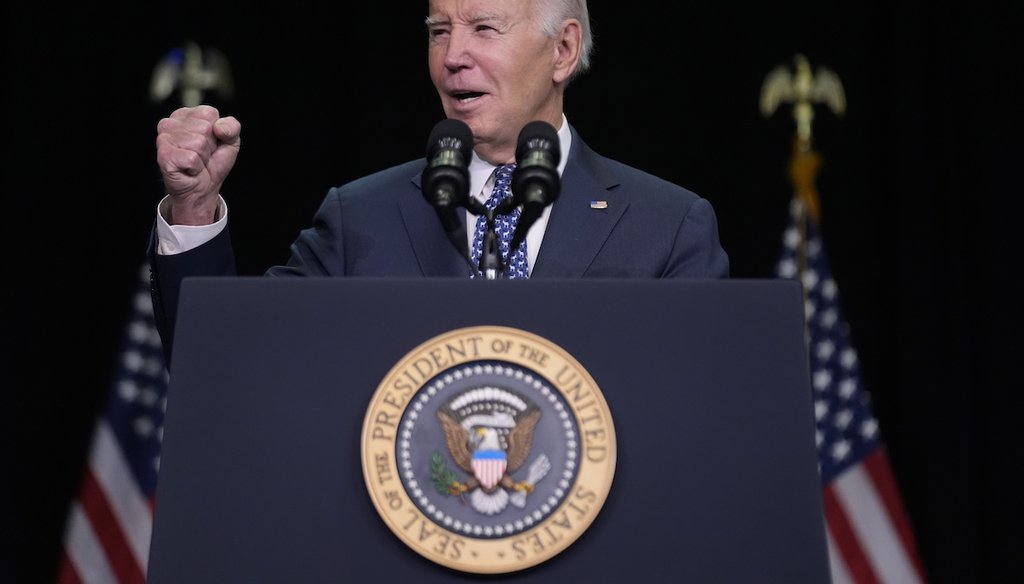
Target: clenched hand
point(195, 151)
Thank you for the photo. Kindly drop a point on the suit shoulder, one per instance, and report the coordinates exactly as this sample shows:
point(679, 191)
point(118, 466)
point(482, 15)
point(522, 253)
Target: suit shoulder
point(630, 181)
point(391, 181)
point(648, 186)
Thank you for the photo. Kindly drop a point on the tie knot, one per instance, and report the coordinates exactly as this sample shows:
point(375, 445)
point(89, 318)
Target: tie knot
point(502, 182)
point(504, 172)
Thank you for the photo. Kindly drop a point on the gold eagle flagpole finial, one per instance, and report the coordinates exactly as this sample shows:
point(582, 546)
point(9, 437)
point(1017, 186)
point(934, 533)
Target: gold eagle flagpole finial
point(803, 88)
point(191, 71)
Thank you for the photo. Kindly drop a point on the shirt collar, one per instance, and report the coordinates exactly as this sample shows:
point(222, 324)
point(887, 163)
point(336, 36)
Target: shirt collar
point(480, 170)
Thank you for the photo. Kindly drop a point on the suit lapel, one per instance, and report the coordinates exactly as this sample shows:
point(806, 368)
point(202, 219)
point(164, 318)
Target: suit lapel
point(436, 255)
point(578, 225)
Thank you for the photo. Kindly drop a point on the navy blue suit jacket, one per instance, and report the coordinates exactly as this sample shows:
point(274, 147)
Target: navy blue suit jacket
point(381, 225)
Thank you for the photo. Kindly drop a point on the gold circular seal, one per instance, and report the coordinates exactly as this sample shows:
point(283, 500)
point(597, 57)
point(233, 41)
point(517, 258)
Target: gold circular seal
point(488, 449)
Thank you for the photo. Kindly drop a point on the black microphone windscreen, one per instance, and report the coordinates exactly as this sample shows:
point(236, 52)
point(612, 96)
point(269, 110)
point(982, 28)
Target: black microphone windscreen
point(451, 133)
point(539, 135)
point(535, 181)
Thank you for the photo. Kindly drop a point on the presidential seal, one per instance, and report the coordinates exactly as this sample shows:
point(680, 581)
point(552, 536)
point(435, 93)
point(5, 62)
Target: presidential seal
point(488, 449)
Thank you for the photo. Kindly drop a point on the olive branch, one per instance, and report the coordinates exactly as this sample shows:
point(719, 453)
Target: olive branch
point(443, 477)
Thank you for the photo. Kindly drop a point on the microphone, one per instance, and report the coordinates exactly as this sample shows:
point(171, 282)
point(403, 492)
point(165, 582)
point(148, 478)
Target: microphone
point(445, 179)
point(535, 181)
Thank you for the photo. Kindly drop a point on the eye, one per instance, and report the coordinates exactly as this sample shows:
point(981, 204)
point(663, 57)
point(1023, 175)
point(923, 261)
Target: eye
point(437, 32)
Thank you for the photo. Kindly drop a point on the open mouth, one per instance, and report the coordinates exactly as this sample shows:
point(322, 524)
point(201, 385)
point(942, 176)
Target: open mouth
point(466, 96)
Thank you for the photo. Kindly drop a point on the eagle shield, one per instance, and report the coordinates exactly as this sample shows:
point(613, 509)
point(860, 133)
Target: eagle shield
point(489, 466)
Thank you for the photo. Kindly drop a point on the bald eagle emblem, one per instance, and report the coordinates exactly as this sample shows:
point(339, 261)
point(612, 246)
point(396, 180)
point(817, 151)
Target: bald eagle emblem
point(489, 434)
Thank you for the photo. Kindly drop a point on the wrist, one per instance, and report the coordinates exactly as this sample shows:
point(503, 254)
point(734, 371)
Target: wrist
point(184, 212)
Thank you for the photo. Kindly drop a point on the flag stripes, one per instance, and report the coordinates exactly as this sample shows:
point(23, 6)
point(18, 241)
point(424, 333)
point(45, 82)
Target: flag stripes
point(871, 543)
point(107, 536)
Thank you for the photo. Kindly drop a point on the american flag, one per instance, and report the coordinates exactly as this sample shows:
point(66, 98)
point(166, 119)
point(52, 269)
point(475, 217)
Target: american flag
point(869, 536)
point(107, 536)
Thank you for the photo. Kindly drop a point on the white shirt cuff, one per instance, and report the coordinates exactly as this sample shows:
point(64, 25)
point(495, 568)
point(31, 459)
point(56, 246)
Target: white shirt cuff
point(175, 239)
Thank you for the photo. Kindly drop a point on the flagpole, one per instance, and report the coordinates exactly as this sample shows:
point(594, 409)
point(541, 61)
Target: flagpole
point(804, 163)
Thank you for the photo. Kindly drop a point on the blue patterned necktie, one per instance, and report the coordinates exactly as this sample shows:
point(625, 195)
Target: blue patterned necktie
point(504, 226)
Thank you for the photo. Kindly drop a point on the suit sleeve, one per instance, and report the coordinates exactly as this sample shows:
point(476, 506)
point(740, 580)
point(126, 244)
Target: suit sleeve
point(214, 258)
point(697, 252)
point(318, 250)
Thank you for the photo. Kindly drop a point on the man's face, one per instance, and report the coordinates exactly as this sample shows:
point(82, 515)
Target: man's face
point(494, 69)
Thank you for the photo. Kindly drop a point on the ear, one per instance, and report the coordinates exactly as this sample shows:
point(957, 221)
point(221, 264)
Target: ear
point(567, 50)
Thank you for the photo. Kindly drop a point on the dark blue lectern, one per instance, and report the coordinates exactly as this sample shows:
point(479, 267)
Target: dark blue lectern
point(716, 478)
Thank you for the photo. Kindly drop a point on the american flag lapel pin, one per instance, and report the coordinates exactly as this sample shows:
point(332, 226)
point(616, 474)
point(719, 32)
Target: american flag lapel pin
point(598, 204)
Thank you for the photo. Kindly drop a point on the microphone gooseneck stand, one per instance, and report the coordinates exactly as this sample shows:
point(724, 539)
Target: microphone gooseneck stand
point(490, 252)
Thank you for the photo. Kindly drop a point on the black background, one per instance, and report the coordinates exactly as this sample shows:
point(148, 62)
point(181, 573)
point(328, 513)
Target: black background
point(915, 189)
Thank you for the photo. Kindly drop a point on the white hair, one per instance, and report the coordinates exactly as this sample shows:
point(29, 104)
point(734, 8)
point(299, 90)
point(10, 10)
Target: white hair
point(554, 12)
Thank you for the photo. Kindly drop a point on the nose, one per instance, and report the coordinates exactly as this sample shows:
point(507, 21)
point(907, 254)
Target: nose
point(458, 54)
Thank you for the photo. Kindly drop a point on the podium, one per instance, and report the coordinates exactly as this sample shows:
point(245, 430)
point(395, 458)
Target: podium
point(707, 384)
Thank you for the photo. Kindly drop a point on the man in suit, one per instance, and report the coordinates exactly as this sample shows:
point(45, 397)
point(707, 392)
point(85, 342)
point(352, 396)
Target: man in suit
point(497, 65)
